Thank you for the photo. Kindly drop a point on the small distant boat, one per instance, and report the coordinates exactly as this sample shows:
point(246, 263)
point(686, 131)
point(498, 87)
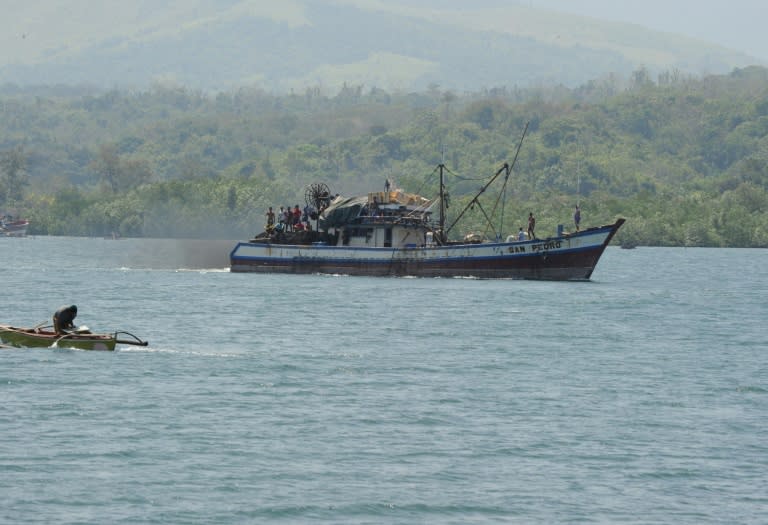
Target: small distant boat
point(81, 338)
point(13, 228)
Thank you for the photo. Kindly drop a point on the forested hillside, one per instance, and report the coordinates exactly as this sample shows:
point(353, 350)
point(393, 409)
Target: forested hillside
point(685, 160)
point(216, 45)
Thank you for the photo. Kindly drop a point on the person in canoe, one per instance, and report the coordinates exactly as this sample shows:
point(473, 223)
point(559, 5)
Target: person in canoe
point(64, 317)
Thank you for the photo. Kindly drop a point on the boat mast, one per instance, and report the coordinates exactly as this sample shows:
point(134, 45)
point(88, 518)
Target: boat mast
point(578, 184)
point(443, 236)
point(503, 203)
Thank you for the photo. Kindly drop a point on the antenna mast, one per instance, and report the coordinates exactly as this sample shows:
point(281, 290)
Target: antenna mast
point(578, 183)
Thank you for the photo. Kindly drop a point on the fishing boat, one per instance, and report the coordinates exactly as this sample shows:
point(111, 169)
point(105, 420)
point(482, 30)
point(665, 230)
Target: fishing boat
point(80, 338)
point(394, 233)
point(13, 228)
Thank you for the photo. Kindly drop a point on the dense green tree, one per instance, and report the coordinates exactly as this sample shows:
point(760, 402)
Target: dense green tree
point(13, 176)
point(119, 174)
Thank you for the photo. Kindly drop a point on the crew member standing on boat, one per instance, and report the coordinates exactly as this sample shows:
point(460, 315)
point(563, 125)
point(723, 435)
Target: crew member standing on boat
point(577, 217)
point(531, 226)
point(270, 219)
point(296, 217)
point(64, 317)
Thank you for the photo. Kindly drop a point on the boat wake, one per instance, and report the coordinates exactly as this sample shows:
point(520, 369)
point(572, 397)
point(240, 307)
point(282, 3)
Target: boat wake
point(188, 352)
point(177, 270)
point(203, 270)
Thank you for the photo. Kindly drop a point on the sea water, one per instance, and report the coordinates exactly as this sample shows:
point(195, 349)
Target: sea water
point(638, 397)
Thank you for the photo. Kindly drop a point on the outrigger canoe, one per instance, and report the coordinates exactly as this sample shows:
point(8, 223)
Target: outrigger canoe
point(83, 339)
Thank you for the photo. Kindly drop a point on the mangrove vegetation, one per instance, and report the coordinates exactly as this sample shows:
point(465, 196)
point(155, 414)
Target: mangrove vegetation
point(684, 159)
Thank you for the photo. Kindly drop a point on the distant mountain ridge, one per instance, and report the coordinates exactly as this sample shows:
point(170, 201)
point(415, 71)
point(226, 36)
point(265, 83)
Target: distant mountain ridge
point(295, 44)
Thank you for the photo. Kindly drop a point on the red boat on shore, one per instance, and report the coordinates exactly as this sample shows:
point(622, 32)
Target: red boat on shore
point(13, 228)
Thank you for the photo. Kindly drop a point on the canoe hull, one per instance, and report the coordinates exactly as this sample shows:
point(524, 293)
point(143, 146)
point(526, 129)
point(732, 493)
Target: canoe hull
point(14, 229)
point(38, 338)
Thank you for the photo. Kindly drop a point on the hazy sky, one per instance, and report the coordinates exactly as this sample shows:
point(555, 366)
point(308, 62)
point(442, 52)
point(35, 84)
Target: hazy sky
point(737, 24)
